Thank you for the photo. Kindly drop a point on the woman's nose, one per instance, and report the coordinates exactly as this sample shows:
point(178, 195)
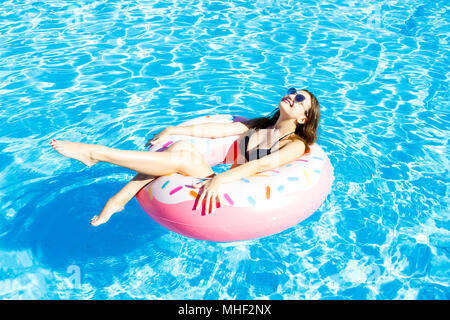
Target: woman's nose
point(289, 97)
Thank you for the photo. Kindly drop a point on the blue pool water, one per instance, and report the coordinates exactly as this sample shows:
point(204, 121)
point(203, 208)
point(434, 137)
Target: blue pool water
point(116, 72)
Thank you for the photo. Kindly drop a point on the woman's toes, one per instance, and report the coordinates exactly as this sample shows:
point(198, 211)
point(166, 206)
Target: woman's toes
point(110, 209)
point(75, 150)
point(95, 221)
point(55, 144)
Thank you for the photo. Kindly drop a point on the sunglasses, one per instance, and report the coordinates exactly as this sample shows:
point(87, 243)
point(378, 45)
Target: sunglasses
point(298, 97)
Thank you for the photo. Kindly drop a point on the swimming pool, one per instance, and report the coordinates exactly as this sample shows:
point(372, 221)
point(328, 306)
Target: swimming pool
point(115, 72)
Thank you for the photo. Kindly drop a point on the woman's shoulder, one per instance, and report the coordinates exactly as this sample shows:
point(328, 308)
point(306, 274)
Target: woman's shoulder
point(297, 141)
point(294, 140)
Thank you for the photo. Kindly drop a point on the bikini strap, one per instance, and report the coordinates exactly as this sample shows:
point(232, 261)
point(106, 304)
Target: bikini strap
point(282, 138)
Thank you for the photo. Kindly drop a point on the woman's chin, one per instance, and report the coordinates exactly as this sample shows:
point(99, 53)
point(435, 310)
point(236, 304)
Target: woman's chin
point(283, 107)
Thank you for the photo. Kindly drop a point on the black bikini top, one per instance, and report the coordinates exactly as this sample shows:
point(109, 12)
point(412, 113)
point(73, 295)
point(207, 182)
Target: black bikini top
point(259, 152)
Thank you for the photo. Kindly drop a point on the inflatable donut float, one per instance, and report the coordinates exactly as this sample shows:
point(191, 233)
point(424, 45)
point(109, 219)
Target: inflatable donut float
point(257, 206)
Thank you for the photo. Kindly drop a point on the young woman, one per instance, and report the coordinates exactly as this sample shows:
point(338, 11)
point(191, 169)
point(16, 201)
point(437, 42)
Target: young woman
point(293, 126)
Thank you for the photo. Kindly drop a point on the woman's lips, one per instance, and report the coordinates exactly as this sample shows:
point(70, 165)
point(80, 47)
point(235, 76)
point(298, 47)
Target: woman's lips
point(287, 101)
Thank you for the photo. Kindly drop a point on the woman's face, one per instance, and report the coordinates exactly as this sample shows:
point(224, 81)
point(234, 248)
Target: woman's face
point(293, 109)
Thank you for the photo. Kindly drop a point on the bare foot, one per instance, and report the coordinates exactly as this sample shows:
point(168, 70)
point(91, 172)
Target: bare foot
point(110, 208)
point(75, 150)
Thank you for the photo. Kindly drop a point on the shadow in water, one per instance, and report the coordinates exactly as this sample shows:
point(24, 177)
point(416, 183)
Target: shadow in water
point(55, 224)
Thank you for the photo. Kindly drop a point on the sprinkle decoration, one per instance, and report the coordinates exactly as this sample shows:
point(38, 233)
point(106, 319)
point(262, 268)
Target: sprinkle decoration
point(267, 192)
point(293, 178)
point(175, 190)
point(150, 193)
point(164, 147)
point(227, 197)
point(168, 143)
point(280, 188)
point(165, 184)
point(251, 200)
point(245, 180)
point(193, 193)
point(318, 158)
point(303, 160)
point(306, 175)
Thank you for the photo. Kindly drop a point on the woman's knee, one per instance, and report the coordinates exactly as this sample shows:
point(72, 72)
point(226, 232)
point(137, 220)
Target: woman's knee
point(188, 160)
point(193, 164)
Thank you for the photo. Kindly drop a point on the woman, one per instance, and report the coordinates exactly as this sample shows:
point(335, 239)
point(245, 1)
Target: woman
point(293, 126)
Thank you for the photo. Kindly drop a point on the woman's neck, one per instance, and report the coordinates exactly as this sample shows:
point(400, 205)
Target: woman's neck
point(285, 125)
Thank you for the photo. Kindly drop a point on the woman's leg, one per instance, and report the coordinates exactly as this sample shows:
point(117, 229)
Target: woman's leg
point(193, 160)
point(188, 162)
point(117, 202)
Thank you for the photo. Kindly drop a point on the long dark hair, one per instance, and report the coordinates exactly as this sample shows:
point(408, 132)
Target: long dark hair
point(307, 132)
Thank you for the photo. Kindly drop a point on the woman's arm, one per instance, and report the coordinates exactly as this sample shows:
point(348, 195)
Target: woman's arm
point(203, 130)
point(210, 130)
point(286, 154)
point(210, 192)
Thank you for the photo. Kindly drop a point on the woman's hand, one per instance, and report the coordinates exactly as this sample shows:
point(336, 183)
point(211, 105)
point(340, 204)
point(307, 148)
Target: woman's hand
point(210, 192)
point(160, 136)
